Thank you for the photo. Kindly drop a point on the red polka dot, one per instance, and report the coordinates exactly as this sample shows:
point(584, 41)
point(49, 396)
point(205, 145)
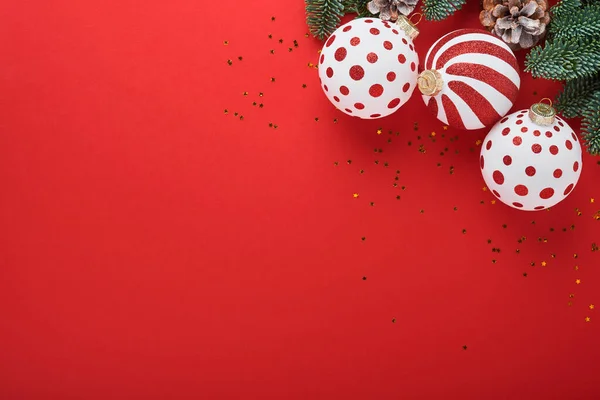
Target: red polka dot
point(386, 24)
point(548, 134)
point(521, 190)
point(546, 193)
point(413, 66)
point(517, 140)
point(329, 72)
point(569, 145)
point(404, 41)
point(554, 150)
point(406, 87)
point(536, 148)
point(568, 189)
point(355, 41)
point(524, 129)
point(574, 136)
point(401, 58)
point(388, 45)
point(395, 31)
point(530, 171)
point(372, 58)
point(336, 98)
point(536, 133)
point(391, 76)
point(488, 145)
point(330, 41)
point(357, 72)
point(539, 207)
point(519, 205)
point(557, 173)
point(498, 177)
point(347, 28)
point(575, 166)
point(359, 106)
point(507, 160)
point(322, 58)
point(374, 31)
point(410, 46)
point(503, 120)
point(520, 116)
point(560, 123)
point(519, 122)
point(505, 131)
point(394, 103)
point(344, 90)
point(496, 193)
point(376, 90)
point(326, 88)
point(369, 21)
point(348, 110)
point(340, 54)
point(557, 128)
point(375, 115)
point(481, 162)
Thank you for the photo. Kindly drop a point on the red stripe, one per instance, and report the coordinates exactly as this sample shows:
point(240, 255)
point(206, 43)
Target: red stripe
point(452, 114)
point(488, 75)
point(476, 101)
point(446, 39)
point(432, 106)
point(480, 47)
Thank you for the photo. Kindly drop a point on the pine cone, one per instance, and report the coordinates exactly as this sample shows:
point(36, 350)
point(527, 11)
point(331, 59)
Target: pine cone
point(390, 9)
point(520, 23)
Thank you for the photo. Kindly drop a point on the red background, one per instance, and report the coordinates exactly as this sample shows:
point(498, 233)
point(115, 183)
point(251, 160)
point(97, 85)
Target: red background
point(154, 247)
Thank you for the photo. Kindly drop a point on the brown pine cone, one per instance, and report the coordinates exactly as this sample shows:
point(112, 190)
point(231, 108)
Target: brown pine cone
point(389, 10)
point(520, 23)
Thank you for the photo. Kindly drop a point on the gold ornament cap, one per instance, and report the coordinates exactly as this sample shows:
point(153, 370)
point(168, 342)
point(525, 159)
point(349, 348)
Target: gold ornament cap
point(542, 113)
point(407, 26)
point(430, 82)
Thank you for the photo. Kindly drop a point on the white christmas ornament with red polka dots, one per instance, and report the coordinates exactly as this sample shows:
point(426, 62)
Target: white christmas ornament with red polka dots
point(368, 67)
point(471, 79)
point(531, 159)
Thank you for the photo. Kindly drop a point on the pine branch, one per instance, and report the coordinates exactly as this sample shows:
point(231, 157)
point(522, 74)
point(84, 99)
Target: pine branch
point(323, 16)
point(565, 7)
point(583, 23)
point(358, 7)
point(577, 95)
point(564, 59)
point(590, 125)
point(437, 10)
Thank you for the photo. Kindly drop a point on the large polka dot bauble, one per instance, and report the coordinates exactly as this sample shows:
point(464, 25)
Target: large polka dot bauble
point(529, 165)
point(471, 79)
point(368, 68)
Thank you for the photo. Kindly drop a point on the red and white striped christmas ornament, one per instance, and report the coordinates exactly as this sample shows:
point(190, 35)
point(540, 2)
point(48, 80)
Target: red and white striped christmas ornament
point(531, 159)
point(368, 67)
point(471, 79)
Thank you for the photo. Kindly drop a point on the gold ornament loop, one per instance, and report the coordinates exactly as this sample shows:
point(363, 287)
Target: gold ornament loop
point(415, 15)
point(407, 26)
point(430, 82)
point(541, 113)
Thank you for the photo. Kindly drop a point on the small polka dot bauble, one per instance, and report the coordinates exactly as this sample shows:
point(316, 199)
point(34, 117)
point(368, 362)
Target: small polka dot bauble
point(368, 67)
point(470, 79)
point(531, 159)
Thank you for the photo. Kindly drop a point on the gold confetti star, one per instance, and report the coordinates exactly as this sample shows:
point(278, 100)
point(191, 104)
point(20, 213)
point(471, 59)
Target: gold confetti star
point(229, 62)
point(577, 281)
point(445, 127)
point(226, 42)
point(493, 201)
point(484, 189)
point(355, 195)
point(478, 142)
point(591, 306)
point(379, 131)
point(433, 134)
point(592, 200)
point(543, 263)
point(587, 319)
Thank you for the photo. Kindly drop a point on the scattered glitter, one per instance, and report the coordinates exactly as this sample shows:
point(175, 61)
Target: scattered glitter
point(577, 281)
